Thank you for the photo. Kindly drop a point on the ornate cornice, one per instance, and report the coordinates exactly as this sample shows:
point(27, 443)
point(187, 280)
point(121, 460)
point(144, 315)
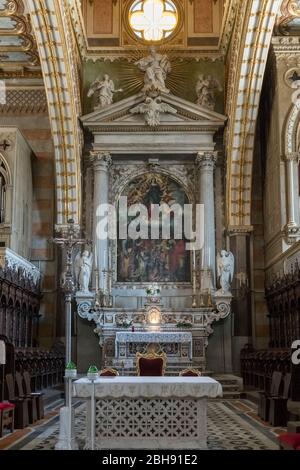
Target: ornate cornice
point(240, 230)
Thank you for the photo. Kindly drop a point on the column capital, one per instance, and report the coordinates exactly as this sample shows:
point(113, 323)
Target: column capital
point(291, 157)
point(207, 159)
point(101, 160)
point(234, 230)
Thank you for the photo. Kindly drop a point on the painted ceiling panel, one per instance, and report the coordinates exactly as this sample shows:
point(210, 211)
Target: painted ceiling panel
point(11, 41)
point(17, 45)
point(7, 23)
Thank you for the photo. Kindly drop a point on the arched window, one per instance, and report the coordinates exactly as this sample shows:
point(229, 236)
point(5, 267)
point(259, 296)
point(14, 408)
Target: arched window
point(4, 178)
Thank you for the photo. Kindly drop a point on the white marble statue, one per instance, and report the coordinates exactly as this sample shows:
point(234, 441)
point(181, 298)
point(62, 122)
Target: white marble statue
point(156, 67)
point(225, 264)
point(205, 89)
point(152, 108)
point(83, 270)
point(105, 89)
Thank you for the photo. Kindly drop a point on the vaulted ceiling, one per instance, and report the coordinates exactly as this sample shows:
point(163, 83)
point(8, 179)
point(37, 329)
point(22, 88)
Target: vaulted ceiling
point(70, 32)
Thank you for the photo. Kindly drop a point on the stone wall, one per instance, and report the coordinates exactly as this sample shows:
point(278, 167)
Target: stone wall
point(35, 127)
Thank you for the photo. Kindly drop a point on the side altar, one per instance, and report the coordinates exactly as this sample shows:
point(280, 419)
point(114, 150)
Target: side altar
point(153, 149)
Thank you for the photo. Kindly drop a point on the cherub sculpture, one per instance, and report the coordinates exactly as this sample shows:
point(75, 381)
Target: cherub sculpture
point(152, 108)
point(225, 264)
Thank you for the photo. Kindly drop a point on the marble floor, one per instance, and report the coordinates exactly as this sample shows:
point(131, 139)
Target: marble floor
point(232, 425)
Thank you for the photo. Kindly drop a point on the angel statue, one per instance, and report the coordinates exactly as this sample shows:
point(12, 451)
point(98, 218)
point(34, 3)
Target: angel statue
point(105, 88)
point(83, 269)
point(156, 67)
point(225, 263)
point(205, 90)
point(152, 108)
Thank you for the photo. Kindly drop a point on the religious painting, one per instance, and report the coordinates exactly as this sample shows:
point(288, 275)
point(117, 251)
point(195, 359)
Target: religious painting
point(148, 260)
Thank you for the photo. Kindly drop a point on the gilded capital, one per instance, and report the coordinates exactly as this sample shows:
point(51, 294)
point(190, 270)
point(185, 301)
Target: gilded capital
point(207, 159)
point(101, 160)
point(292, 157)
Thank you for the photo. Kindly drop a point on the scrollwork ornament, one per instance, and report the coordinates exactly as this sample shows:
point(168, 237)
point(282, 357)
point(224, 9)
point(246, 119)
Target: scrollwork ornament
point(84, 308)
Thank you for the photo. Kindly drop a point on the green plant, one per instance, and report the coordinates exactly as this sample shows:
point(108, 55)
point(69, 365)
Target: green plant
point(93, 370)
point(71, 366)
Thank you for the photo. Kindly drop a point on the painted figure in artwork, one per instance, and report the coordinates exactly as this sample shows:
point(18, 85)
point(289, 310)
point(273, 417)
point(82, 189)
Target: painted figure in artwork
point(153, 260)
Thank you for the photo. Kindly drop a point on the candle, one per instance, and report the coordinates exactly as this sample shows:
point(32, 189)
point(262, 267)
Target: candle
point(202, 259)
point(208, 264)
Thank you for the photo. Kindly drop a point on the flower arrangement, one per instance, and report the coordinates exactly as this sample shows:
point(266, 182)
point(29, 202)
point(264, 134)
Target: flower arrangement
point(93, 373)
point(153, 290)
point(124, 323)
point(71, 370)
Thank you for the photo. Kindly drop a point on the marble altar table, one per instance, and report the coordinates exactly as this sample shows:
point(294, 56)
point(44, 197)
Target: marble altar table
point(176, 343)
point(149, 412)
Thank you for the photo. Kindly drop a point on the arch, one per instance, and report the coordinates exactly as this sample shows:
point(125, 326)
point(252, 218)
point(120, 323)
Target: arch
point(5, 169)
point(291, 131)
point(53, 30)
point(189, 191)
point(250, 47)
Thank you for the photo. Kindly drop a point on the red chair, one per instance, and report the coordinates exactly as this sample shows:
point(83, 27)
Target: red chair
point(7, 417)
point(151, 364)
point(107, 372)
point(289, 441)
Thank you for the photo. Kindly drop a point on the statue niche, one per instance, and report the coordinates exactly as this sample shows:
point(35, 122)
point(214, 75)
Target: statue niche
point(154, 260)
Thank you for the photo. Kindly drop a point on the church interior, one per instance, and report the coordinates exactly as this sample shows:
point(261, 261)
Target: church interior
point(149, 224)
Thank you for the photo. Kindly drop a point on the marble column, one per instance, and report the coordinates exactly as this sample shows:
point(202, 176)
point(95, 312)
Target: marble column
point(206, 162)
point(292, 193)
point(101, 163)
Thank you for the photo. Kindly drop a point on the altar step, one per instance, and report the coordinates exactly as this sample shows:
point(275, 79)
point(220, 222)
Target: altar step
point(232, 385)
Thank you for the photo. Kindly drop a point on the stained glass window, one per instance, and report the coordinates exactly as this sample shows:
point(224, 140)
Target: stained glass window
point(153, 20)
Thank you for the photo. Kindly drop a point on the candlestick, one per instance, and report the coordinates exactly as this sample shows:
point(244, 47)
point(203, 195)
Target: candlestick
point(95, 254)
point(194, 258)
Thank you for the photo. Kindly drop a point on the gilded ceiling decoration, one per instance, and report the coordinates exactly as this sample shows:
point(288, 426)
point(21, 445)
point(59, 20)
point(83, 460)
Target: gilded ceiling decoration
point(288, 22)
point(18, 51)
point(111, 30)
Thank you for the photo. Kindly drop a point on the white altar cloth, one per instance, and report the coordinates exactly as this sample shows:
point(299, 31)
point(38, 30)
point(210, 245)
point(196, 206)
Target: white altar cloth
point(149, 412)
point(149, 387)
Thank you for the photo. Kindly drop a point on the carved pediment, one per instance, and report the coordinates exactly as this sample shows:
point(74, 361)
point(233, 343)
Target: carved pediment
point(151, 114)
